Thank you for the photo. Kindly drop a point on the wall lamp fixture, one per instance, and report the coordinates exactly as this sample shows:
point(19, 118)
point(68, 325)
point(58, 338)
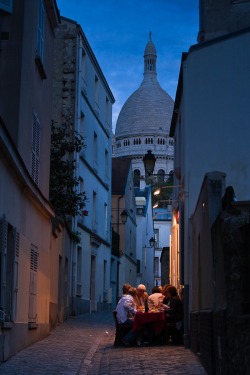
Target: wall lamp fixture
point(152, 242)
point(124, 216)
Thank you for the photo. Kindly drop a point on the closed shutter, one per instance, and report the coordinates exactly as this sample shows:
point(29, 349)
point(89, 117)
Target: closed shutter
point(40, 30)
point(3, 258)
point(33, 284)
point(35, 157)
point(15, 279)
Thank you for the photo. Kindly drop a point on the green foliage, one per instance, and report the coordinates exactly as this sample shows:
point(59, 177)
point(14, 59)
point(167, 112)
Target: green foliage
point(164, 198)
point(76, 237)
point(63, 183)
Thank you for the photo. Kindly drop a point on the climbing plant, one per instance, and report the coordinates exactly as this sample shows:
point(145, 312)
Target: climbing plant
point(64, 195)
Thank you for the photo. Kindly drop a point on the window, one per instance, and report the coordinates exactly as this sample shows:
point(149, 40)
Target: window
point(105, 295)
point(156, 266)
point(35, 153)
point(137, 177)
point(96, 95)
point(106, 217)
point(149, 141)
point(33, 283)
point(9, 256)
point(94, 213)
point(160, 176)
point(84, 85)
point(6, 5)
point(95, 152)
point(107, 111)
point(40, 30)
point(107, 165)
point(79, 271)
point(39, 58)
point(82, 123)
point(161, 141)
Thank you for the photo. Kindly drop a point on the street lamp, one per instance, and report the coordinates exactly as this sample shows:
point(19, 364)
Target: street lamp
point(149, 162)
point(152, 242)
point(124, 216)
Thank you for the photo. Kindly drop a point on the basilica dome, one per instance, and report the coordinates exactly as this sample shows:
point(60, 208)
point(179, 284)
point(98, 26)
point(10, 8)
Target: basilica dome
point(144, 122)
point(148, 111)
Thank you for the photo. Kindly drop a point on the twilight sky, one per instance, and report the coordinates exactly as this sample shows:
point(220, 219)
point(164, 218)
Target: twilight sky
point(118, 31)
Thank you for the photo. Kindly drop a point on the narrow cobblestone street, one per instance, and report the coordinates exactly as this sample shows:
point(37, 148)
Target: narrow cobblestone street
point(84, 346)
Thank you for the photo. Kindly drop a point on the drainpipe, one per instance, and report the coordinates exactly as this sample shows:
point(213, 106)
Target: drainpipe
point(118, 213)
point(76, 127)
point(185, 246)
point(118, 231)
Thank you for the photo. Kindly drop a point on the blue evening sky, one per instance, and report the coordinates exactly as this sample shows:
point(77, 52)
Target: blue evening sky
point(118, 31)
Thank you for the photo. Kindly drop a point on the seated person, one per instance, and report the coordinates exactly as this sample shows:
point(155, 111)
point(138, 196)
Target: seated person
point(126, 310)
point(156, 298)
point(165, 298)
point(174, 310)
point(141, 296)
point(126, 306)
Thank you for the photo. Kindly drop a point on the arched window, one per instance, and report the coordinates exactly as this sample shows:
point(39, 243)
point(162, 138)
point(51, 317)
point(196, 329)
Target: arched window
point(137, 177)
point(160, 176)
point(137, 141)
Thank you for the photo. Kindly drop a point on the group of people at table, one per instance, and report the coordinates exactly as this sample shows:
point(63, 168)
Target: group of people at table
point(136, 308)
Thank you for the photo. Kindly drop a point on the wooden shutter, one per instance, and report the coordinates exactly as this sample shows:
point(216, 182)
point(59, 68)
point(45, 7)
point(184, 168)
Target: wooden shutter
point(33, 284)
point(3, 256)
point(35, 157)
point(15, 274)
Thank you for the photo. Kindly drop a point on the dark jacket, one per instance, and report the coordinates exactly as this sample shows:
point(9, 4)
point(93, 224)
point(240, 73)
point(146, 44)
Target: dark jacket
point(175, 313)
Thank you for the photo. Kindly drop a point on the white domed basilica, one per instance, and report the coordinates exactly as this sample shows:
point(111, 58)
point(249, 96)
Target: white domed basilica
point(144, 122)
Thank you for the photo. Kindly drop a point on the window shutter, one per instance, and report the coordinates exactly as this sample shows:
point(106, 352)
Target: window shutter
point(33, 284)
point(35, 156)
point(15, 281)
point(40, 30)
point(3, 255)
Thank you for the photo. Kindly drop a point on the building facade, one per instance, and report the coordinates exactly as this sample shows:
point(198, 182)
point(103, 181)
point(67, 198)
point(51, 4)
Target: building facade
point(145, 251)
point(124, 260)
point(28, 292)
point(83, 102)
point(205, 124)
point(143, 125)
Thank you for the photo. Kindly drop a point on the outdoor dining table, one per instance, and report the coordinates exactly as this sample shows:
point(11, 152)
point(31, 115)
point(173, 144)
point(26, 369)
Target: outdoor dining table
point(155, 318)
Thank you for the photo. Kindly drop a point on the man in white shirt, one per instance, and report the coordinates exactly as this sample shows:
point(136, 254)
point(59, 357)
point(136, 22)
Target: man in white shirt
point(126, 310)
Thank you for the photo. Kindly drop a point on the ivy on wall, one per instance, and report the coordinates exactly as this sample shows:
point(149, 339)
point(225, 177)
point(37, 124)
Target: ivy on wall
point(64, 195)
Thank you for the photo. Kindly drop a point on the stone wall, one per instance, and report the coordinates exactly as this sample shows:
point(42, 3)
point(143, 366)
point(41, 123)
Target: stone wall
point(221, 337)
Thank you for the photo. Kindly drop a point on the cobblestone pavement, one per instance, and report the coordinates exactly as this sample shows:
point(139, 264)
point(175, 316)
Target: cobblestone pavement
point(84, 346)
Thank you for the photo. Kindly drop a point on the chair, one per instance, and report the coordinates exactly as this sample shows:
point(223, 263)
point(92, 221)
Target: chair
point(120, 331)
